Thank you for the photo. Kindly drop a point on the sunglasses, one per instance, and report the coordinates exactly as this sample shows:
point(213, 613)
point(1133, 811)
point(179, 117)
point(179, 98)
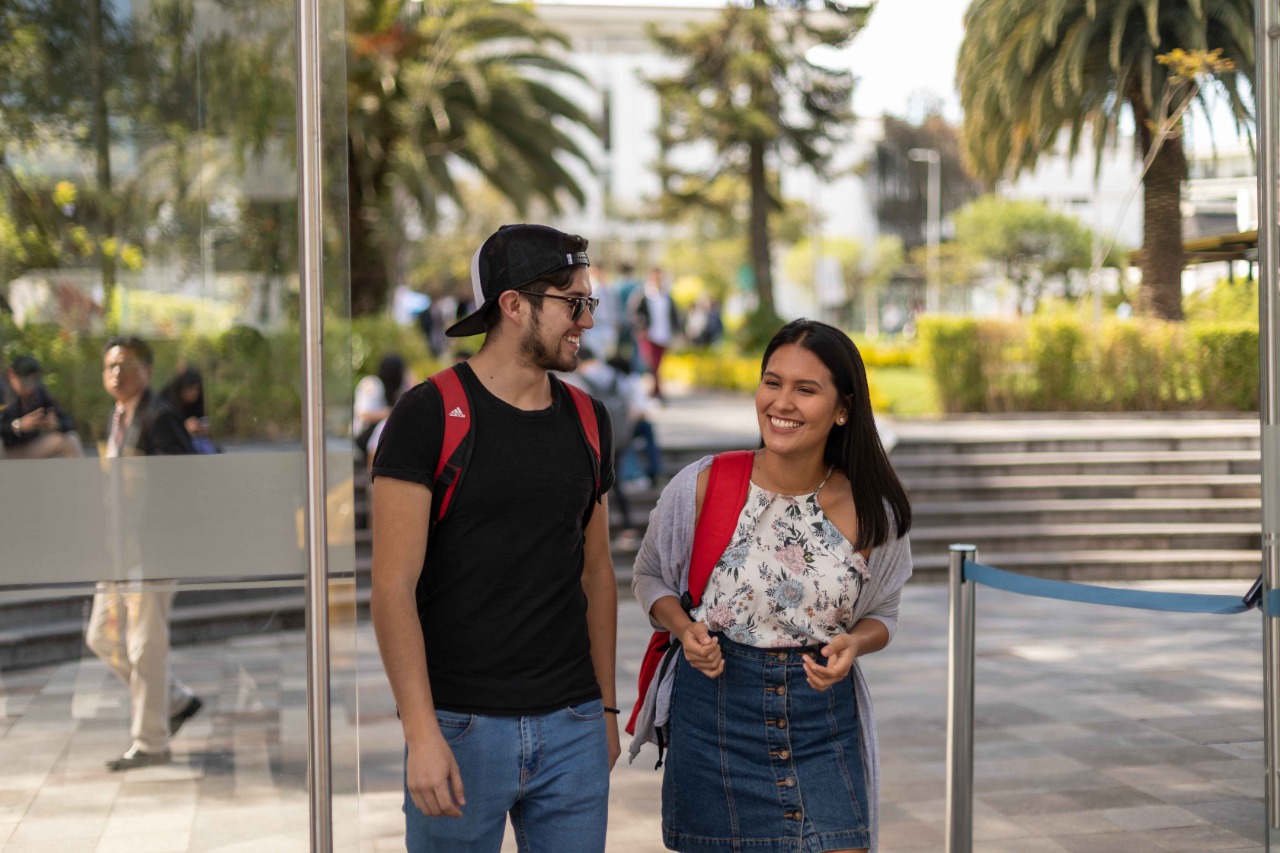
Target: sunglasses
point(580, 303)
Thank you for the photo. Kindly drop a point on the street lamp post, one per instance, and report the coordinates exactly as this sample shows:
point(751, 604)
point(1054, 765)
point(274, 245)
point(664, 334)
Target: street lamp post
point(933, 222)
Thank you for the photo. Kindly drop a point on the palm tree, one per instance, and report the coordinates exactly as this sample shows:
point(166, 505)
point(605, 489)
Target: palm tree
point(438, 84)
point(751, 89)
point(1027, 69)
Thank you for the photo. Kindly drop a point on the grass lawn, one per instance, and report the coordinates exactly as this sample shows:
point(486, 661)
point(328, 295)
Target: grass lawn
point(904, 391)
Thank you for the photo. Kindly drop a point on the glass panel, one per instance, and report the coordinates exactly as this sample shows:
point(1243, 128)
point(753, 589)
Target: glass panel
point(148, 188)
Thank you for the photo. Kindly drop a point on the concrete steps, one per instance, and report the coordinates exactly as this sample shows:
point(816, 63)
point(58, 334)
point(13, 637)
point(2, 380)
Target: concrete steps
point(1036, 463)
point(1091, 511)
point(50, 630)
point(1131, 500)
point(965, 485)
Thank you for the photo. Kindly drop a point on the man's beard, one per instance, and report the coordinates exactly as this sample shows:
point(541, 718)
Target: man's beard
point(536, 352)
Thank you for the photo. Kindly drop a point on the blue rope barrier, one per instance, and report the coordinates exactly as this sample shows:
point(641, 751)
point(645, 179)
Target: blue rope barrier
point(1271, 603)
point(1171, 602)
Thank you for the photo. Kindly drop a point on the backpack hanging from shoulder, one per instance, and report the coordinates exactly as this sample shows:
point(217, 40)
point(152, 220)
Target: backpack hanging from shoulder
point(726, 494)
point(455, 447)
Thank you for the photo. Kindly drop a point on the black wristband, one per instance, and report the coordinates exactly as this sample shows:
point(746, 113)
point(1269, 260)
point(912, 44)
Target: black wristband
point(609, 710)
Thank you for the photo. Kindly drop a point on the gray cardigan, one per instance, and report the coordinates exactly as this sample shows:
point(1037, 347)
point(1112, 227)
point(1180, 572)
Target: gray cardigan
point(662, 568)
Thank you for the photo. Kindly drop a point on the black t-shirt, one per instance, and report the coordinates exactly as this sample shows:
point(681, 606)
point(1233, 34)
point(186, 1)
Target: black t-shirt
point(503, 614)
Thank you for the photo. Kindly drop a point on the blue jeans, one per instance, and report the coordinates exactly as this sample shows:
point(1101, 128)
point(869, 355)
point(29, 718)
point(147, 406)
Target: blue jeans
point(549, 772)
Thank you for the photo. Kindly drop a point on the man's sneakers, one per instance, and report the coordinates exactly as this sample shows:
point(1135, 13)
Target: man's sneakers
point(188, 711)
point(135, 758)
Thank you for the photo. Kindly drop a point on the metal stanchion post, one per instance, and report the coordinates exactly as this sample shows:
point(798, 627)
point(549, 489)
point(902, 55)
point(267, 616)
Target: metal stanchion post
point(311, 292)
point(960, 705)
point(1267, 101)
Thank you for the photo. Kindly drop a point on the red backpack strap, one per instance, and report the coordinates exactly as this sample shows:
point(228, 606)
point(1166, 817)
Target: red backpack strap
point(590, 425)
point(726, 494)
point(454, 448)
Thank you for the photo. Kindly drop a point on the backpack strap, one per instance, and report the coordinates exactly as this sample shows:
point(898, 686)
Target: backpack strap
point(588, 424)
point(455, 448)
point(726, 494)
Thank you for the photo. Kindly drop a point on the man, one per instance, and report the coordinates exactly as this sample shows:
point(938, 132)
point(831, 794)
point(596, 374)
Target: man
point(497, 626)
point(33, 426)
point(653, 314)
point(128, 626)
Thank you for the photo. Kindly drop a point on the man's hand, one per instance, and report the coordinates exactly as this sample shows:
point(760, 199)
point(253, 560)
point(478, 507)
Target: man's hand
point(615, 743)
point(434, 781)
point(702, 650)
point(840, 657)
point(33, 421)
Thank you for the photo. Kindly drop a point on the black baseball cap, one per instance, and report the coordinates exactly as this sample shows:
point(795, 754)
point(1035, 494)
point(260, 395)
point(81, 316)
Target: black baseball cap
point(512, 257)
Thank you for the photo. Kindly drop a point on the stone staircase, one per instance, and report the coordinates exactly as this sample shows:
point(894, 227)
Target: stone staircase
point(1090, 501)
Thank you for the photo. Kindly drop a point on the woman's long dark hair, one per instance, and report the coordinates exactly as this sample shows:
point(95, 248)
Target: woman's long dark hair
point(391, 372)
point(854, 447)
point(188, 377)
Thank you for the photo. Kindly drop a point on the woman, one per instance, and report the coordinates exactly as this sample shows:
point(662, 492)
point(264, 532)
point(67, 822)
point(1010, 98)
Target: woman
point(185, 392)
point(375, 397)
point(771, 740)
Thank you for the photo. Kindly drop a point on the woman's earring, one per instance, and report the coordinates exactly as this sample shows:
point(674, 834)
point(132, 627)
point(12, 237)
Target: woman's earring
point(841, 420)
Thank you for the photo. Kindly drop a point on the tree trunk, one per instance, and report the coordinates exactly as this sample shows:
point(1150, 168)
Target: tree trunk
point(370, 276)
point(102, 145)
point(1160, 294)
point(761, 255)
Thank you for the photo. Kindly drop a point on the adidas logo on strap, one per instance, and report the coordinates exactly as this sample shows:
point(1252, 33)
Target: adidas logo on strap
point(457, 412)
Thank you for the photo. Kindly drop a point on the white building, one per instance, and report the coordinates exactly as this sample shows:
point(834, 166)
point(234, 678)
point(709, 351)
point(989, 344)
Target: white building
point(612, 49)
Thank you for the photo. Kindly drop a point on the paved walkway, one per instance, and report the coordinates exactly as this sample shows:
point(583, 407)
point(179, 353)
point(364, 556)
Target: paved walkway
point(1098, 730)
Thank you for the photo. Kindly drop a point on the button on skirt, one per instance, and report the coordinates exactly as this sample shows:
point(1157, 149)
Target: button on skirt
point(758, 760)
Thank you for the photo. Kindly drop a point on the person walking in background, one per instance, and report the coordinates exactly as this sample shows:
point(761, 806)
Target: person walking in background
point(653, 316)
point(612, 388)
point(129, 623)
point(497, 623)
point(376, 395)
point(626, 288)
point(33, 426)
point(602, 337)
point(639, 402)
point(185, 393)
point(765, 711)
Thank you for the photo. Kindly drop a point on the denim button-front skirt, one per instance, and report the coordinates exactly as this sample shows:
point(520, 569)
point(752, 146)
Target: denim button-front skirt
point(758, 760)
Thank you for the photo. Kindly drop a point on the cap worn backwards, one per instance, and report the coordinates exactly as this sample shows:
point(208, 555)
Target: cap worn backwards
point(512, 257)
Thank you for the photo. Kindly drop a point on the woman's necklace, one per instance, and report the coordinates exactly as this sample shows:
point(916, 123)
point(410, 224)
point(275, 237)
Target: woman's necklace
point(758, 468)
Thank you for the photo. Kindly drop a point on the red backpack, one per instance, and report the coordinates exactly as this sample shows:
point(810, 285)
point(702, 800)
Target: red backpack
point(455, 449)
point(726, 494)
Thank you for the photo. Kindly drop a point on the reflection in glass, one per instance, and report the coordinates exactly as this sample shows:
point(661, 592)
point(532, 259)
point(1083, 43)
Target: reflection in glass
point(148, 188)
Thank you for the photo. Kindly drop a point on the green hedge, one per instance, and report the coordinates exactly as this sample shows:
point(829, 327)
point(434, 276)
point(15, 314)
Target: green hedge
point(1060, 364)
point(253, 382)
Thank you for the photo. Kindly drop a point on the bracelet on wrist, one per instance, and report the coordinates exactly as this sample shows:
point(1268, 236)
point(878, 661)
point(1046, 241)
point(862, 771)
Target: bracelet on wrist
point(609, 710)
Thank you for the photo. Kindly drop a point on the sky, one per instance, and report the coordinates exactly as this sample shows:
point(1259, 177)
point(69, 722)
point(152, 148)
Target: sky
point(908, 46)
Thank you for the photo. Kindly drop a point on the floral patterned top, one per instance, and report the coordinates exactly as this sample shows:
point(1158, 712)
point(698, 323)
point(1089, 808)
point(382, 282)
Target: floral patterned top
point(788, 578)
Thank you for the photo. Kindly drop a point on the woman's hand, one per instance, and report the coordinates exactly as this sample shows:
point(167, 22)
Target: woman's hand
point(840, 654)
point(702, 650)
